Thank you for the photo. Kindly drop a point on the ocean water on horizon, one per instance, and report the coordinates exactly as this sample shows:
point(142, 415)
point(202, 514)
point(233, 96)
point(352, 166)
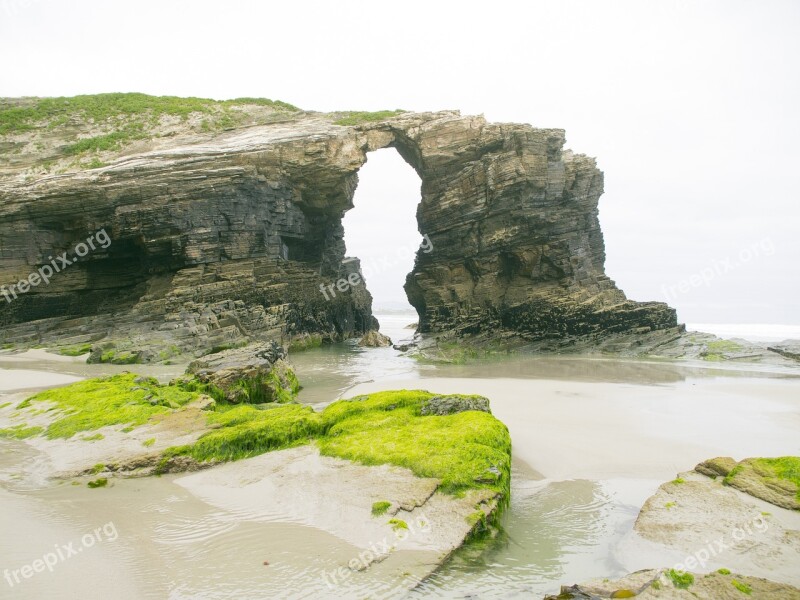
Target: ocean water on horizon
point(755, 332)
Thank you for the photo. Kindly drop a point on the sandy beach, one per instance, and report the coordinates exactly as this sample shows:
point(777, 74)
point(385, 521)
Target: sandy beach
point(588, 448)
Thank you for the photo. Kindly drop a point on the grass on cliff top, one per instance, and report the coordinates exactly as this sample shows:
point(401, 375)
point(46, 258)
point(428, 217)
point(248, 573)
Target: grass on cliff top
point(20, 116)
point(784, 467)
point(118, 400)
point(465, 450)
point(359, 117)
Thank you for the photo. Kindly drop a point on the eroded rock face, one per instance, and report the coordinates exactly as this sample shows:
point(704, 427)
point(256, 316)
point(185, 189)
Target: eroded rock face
point(239, 237)
point(253, 374)
point(453, 404)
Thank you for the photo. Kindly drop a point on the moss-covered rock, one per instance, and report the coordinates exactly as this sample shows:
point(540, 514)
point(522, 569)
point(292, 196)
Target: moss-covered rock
point(125, 399)
point(466, 450)
point(774, 480)
point(254, 374)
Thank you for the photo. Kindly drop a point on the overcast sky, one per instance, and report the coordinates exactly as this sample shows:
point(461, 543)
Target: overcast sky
point(691, 108)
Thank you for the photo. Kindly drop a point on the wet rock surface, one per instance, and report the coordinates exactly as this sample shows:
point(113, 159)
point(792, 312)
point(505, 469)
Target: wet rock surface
point(374, 339)
point(255, 374)
point(655, 583)
point(752, 477)
point(450, 405)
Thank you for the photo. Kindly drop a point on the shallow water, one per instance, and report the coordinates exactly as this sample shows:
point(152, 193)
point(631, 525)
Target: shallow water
point(593, 439)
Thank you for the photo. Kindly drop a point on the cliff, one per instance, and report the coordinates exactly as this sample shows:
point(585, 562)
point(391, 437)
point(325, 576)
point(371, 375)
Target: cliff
point(224, 219)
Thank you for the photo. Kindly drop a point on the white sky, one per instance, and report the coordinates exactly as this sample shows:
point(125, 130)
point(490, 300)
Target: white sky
point(691, 108)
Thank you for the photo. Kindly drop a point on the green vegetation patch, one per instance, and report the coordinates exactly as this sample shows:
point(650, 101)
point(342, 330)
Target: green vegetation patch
point(78, 350)
point(359, 117)
point(784, 467)
point(715, 350)
point(380, 508)
point(305, 342)
point(398, 524)
point(117, 400)
point(20, 432)
point(119, 358)
point(680, 579)
point(467, 450)
point(279, 385)
point(18, 117)
point(742, 587)
point(243, 431)
point(98, 483)
point(724, 571)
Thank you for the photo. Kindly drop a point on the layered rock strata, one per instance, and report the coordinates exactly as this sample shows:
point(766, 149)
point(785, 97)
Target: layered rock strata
point(238, 237)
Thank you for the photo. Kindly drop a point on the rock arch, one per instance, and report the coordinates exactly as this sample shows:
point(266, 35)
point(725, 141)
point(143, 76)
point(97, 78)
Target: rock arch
point(230, 239)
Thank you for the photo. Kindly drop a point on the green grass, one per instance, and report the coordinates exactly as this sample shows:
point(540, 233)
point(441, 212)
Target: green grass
point(94, 438)
point(359, 117)
point(98, 483)
point(461, 450)
point(784, 467)
point(109, 141)
point(724, 571)
point(149, 442)
point(380, 508)
point(5, 404)
point(669, 505)
point(16, 117)
point(678, 481)
point(680, 579)
point(742, 587)
point(95, 403)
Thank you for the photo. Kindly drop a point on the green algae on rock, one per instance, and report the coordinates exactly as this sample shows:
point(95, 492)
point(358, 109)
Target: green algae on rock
point(125, 399)
point(467, 450)
point(774, 480)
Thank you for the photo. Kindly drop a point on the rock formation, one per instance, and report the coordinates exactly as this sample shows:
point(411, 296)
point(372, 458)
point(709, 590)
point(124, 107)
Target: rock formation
point(237, 236)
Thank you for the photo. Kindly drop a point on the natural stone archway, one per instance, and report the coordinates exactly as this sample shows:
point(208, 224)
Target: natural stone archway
point(230, 239)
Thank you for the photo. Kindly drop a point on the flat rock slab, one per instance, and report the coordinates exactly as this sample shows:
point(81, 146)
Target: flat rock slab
point(709, 526)
point(301, 486)
point(654, 583)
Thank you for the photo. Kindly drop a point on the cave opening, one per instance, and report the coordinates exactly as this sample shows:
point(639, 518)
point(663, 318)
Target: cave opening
point(381, 230)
